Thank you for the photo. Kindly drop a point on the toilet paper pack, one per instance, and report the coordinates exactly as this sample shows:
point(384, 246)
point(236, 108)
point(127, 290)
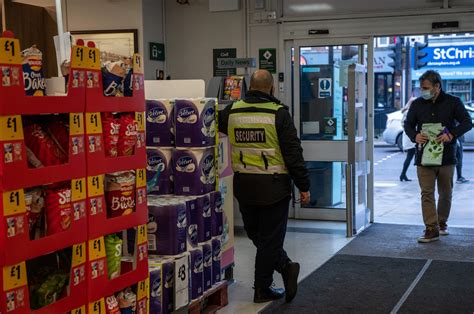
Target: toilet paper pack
point(204, 219)
point(216, 259)
point(155, 288)
point(159, 123)
point(167, 223)
point(207, 263)
point(159, 171)
point(194, 171)
point(191, 210)
point(195, 122)
point(217, 214)
point(197, 274)
point(166, 281)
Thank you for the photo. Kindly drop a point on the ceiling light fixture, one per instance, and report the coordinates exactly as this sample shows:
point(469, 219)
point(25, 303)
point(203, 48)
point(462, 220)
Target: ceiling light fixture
point(311, 7)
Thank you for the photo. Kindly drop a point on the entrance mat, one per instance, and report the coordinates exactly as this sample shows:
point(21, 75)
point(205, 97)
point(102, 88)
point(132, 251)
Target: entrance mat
point(391, 240)
point(446, 287)
point(355, 284)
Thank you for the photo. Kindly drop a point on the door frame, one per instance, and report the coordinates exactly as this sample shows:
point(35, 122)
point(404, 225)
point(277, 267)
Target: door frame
point(329, 150)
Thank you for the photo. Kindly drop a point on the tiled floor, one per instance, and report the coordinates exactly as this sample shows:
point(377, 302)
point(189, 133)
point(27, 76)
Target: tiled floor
point(310, 249)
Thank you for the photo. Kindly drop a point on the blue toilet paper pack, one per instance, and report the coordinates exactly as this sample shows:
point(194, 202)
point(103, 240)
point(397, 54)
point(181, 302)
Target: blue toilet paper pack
point(159, 171)
point(195, 122)
point(197, 273)
point(216, 259)
point(207, 264)
point(204, 219)
point(159, 125)
point(167, 283)
point(217, 214)
point(155, 288)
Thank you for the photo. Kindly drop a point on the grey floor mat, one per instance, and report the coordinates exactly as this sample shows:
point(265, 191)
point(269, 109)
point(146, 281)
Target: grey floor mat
point(446, 287)
point(391, 240)
point(352, 284)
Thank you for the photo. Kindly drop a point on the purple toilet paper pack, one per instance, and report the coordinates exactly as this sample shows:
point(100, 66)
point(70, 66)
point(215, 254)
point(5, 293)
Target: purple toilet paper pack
point(167, 275)
point(159, 170)
point(197, 274)
point(194, 171)
point(195, 122)
point(192, 233)
point(217, 214)
point(166, 226)
point(207, 264)
point(204, 222)
point(216, 259)
point(159, 123)
point(155, 288)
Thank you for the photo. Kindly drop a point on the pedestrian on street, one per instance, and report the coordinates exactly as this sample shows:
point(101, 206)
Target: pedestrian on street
point(459, 155)
point(408, 145)
point(266, 156)
point(436, 106)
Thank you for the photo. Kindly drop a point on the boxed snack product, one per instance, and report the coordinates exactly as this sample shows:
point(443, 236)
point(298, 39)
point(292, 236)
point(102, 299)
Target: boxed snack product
point(33, 72)
point(120, 193)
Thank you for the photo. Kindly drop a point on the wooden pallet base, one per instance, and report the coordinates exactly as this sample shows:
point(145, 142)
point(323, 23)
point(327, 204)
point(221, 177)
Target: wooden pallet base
point(212, 300)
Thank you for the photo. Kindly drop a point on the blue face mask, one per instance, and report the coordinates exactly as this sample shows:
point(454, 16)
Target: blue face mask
point(426, 94)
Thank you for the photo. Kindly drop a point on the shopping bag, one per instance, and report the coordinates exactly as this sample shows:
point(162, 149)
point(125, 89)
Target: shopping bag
point(432, 151)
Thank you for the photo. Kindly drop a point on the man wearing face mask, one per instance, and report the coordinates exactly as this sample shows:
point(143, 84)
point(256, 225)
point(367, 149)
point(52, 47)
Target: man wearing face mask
point(266, 156)
point(436, 106)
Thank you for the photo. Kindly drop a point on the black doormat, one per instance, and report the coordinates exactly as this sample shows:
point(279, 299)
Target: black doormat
point(391, 240)
point(352, 284)
point(446, 287)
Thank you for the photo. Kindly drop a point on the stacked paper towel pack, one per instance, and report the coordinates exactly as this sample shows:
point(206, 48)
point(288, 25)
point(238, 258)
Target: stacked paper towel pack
point(185, 220)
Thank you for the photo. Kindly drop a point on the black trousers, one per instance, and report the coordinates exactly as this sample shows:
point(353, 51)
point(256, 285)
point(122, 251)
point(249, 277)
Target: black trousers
point(266, 227)
point(410, 153)
point(459, 153)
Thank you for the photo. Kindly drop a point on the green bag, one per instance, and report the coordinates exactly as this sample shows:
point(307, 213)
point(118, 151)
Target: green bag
point(432, 151)
point(113, 249)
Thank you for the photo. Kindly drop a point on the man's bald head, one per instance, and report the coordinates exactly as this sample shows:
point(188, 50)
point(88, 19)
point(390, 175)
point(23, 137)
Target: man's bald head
point(261, 80)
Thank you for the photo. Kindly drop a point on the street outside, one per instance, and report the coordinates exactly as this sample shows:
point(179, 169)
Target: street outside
point(399, 202)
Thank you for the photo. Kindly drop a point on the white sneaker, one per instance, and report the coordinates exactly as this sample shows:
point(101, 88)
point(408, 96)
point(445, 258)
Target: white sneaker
point(443, 232)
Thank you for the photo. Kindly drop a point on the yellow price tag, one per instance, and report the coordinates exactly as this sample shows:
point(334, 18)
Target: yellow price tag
point(140, 118)
point(95, 185)
point(96, 249)
point(93, 58)
point(137, 64)
point(143, 290)
point(78, 59)
point(78, 187)
point(76, 122)
point(78, 254)
point(10, 52)
point(14, 276)
point(93, 123)
point(11, 128)
point(14, 202)
point(142, 234)
point(141, 178)
point(80, 310)
point(97, 307)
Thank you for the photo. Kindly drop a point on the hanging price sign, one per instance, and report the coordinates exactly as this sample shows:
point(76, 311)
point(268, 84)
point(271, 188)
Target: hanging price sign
point(11, 128)
point(14, 276)
point(14, 202)
point(93, 123)
point(95, 185)
point(76, 122)
point(10, 52)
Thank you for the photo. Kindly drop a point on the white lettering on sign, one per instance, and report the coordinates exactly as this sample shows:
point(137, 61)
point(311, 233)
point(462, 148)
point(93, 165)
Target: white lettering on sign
point(453, 53)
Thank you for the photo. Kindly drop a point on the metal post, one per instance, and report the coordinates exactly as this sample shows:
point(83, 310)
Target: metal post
point(59, 22)
point(4, 16)
point(349, 201)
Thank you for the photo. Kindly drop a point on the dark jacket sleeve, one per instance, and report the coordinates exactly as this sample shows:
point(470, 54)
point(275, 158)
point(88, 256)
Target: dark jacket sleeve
point(463, 118)
point(291, 149)
point(410, 123)
point(223, 119)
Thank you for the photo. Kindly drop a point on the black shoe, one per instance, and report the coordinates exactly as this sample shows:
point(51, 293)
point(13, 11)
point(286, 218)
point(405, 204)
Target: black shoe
point(290, 279)
point(404, 178)
point(263, 295)
point(462, 180)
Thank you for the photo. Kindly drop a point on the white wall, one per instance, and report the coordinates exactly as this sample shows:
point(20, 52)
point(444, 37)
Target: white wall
point(191, 34)
point(152, 32)
point(104, 15)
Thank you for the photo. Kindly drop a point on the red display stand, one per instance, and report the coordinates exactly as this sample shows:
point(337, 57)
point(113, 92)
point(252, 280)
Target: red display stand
point(133, 271)
point(15, 298)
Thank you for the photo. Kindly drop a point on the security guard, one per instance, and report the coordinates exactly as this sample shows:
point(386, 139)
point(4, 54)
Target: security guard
point(266, 155)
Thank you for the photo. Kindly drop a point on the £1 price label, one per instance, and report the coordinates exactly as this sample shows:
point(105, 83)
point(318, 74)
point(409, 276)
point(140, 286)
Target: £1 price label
point(141, 178)
point(137, 64)
point(14, 276)
point(96, 249)
point(93, 123)
point(95, 185)
point(76, 122)
point(80, 310)
point(78, 60)
point(14, 202)
point(97, 307)
point(78, 189)
point(10, 51)
point(78, 254)
point(93, 58)
point(142, 291)
point(11, 128)
point(139, 117)
point(142, 234)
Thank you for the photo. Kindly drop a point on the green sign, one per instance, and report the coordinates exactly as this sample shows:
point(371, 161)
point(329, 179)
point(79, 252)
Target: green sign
point(226, 53)
point(267, 60)
point(157, 52)
point(330, 126)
